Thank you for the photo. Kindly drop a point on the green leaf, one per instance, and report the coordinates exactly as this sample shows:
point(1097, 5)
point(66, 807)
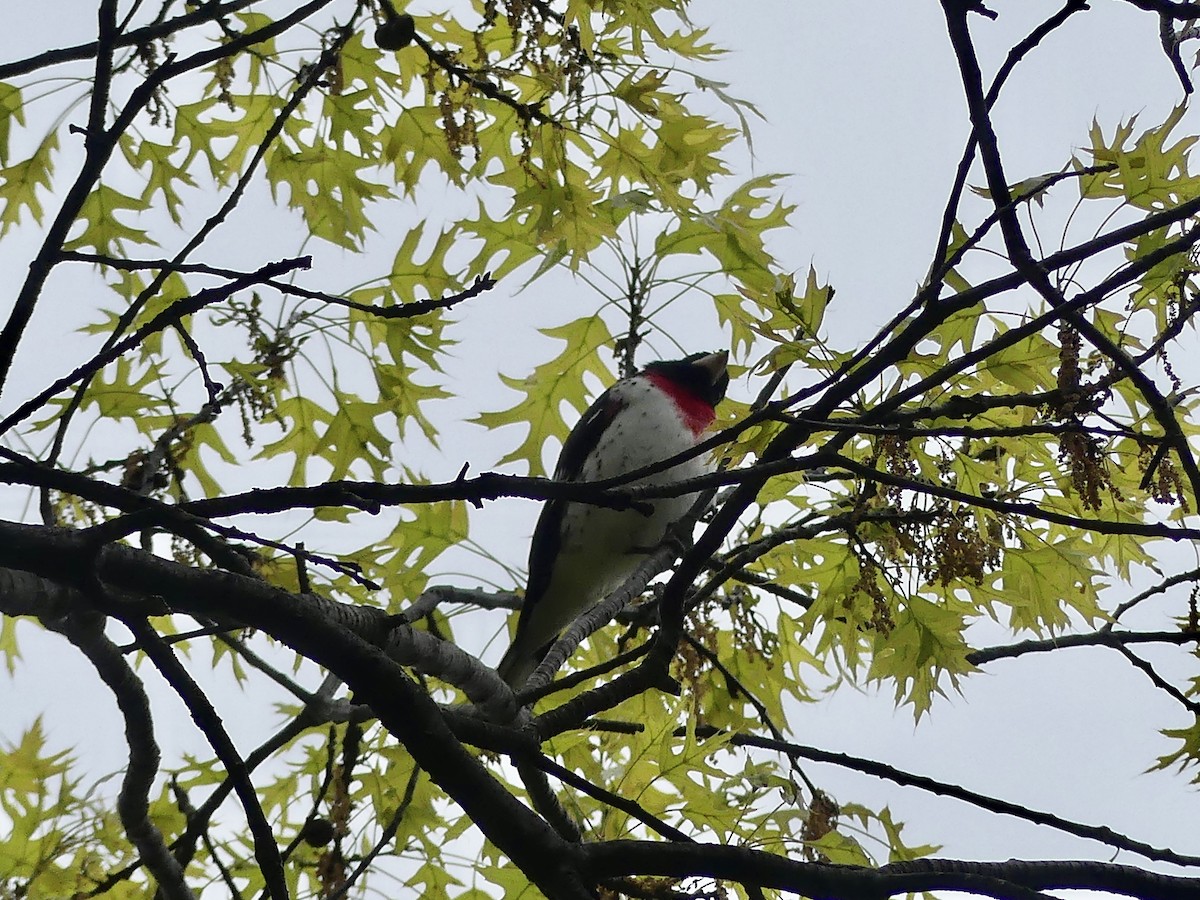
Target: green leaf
point(19, 184)
point(418, 271)
point(840, 849)
point(687, 150)
point(301, 438)
point(126, 394)
point(416, 140)
point(324, 184)
point(105, 232)
point(187, 450)
point(924, 643)
point(1187, 756)
point(1150, 174)
point(643, 90)
point(199, 130)
point(9, 648)
point(162, 176)
point(562, 380)
point(352, 437)
point(12, 109)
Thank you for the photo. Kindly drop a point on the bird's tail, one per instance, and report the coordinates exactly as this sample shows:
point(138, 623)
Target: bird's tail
point(520, 661)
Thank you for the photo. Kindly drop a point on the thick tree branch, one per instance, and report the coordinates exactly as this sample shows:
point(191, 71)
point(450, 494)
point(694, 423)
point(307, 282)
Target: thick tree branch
point(102, 80)
point(1171, 8)
point(543, 799)
point(319, 631)
point(1114, 639)
point(631, 808)
point(1012, 879)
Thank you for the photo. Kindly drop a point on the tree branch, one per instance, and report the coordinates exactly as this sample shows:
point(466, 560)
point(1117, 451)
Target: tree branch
point(1022, 257)
point(1114, 639)
point(165, 319)
point(203, 14)
point(1012, 879)
point(1100, 833)
point(317, 630)
point(266, 851)
point(86, 631)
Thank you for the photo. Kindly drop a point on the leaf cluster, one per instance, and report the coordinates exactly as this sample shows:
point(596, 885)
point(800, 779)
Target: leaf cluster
point(234, 468)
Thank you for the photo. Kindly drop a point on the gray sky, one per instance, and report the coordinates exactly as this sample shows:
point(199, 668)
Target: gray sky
point(864, 111)
point(864, 106)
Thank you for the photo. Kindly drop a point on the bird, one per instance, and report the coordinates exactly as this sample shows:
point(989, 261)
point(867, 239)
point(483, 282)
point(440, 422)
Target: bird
point(580, 552)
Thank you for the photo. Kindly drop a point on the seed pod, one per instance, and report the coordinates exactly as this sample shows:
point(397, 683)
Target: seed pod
point(396, 33)
point(317, 832)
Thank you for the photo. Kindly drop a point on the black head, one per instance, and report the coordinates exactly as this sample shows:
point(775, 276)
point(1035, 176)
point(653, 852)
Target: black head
point(702, 374)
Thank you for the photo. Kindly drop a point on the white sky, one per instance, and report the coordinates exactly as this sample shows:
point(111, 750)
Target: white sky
point(864, 112)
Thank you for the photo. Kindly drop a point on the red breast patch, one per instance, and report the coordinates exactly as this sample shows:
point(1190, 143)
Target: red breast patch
point(696, 413)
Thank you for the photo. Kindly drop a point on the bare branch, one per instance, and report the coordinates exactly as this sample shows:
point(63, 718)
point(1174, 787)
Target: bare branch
point(1114, 639)
point(1012, 879)
point(203, 14)
point(86, 631)
point(165, 319)
point(266, 851)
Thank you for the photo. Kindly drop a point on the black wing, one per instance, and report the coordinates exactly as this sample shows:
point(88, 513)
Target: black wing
point(547, 536)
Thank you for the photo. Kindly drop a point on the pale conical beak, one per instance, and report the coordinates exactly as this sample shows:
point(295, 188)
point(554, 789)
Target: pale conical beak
point(714, 364)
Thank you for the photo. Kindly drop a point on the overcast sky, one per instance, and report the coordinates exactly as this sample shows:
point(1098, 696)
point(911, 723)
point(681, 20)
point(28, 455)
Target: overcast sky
point(863, 110)
point(864, 107)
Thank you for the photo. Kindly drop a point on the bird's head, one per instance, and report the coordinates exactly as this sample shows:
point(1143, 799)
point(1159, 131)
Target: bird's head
point(702, 375)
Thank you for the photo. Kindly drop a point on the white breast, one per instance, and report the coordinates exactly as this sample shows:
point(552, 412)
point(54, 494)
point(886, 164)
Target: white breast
point(647, 429)
point(601, 547)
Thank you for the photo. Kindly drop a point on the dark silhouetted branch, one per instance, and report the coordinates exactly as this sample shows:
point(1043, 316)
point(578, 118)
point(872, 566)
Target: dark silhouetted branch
point(86, 631)
point(266, 851)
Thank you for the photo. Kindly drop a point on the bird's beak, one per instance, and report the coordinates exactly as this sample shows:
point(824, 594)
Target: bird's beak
point(714, 364)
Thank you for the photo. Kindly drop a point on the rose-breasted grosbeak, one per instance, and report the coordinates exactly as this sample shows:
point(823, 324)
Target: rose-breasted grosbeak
point(580, 553)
